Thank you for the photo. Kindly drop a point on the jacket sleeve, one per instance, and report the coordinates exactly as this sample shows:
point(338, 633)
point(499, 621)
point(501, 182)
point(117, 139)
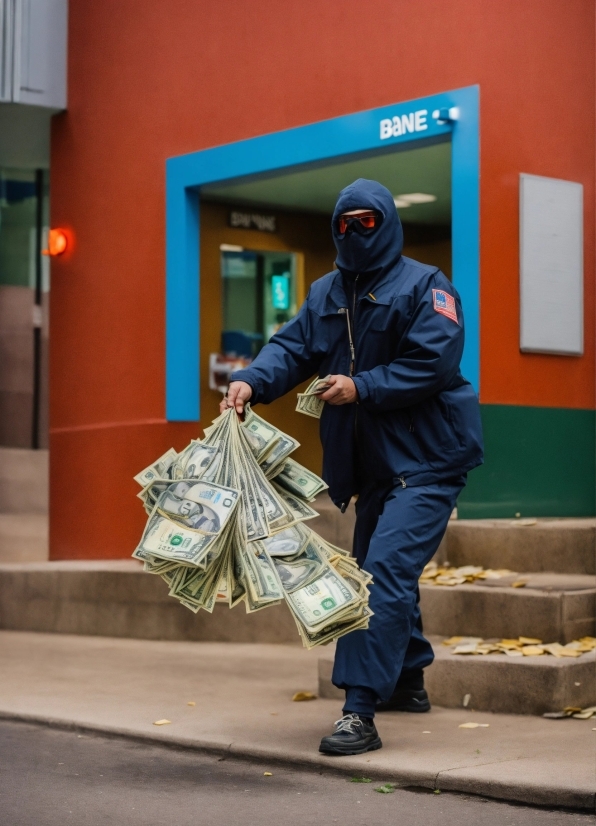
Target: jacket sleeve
point(430, 353)
point(286, 361)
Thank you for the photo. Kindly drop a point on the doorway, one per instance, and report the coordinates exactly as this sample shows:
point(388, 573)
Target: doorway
point(257, 171)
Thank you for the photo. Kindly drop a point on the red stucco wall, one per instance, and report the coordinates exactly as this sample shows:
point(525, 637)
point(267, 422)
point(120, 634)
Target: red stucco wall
point(150, 79)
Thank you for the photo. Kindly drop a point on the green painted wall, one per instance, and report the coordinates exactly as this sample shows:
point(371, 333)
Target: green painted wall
point(539, 461)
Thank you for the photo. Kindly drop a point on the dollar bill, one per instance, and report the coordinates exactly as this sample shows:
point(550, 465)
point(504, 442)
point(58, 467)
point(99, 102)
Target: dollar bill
point(158, 470)
point(194, 461)
point(322, 599)
point(300, 481)
point(202, 506)
point(166, 540)
point(309, 402)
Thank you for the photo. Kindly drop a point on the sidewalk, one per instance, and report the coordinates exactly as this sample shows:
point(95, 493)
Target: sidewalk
point(243, 707)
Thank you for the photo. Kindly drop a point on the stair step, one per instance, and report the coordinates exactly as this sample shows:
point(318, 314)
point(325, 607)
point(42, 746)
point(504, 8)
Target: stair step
point(115, 598)
point(23, 480)
point(551, 607)
point(507, 685)
point(563, 545)
point(23, 537)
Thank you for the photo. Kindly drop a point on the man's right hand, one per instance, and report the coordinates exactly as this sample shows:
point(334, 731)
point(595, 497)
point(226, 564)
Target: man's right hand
point(238, 393)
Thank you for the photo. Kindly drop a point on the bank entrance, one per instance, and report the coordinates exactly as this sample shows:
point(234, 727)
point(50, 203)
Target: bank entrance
point(265, 240)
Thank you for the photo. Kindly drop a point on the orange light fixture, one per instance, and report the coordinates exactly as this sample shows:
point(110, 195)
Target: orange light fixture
point(57, 242)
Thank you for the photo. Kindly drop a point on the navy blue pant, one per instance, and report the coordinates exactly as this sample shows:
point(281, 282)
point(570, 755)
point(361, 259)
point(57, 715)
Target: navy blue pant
point(398, 530)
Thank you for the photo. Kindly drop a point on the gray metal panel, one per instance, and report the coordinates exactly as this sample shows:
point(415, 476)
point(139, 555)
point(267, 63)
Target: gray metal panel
point(6, 48)
point(551, 266)
point(40, 53)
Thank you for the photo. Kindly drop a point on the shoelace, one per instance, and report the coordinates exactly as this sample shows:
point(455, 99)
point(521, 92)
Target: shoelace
point(348, 723)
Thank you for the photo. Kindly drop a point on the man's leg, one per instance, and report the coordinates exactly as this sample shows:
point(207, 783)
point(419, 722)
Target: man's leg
point(407, 534)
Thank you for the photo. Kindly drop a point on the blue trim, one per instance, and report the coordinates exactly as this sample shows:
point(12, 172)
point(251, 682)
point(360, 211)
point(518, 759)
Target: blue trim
point(314, 143)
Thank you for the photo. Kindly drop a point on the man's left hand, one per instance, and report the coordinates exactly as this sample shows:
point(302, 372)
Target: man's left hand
point(342, 390)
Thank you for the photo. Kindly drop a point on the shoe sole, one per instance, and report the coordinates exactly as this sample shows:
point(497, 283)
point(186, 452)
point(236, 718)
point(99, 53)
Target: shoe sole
point(376, 744)
point(418, 709)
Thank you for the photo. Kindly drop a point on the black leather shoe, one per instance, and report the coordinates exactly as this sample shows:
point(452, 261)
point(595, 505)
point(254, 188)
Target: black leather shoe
point(406, 699)
point(353, 735)
point(409, 694)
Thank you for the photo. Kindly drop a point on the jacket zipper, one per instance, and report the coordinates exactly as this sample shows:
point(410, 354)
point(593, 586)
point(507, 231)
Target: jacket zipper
point(346, 312)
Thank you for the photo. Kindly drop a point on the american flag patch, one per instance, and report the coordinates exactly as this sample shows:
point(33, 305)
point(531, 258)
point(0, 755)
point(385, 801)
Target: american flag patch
point(445, 304)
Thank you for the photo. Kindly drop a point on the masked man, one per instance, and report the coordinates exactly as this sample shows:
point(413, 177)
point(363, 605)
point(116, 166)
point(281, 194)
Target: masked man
point(401, 429)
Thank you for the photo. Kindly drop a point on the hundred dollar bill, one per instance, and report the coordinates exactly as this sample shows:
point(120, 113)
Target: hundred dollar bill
point(309, 402)
point(194, 461)
point(276, 456)
point(158, 470)
point(308, 565)
point(309, 405)
point(166, 540)
point(300, 481)
point(322, 599)
point(261, 435)
point(202, 506)
point(289, 542)
point(299, 509)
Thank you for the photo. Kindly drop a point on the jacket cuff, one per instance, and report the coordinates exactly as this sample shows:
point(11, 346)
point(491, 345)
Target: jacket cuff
point(361, 388)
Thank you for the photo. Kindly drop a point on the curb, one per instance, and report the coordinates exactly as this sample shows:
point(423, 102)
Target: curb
point(529, 794)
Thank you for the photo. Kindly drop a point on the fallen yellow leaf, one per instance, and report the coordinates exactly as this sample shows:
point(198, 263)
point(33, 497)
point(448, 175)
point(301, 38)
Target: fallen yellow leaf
point(162, 722)
point(267, 774)
point(191, 703)
point(302, 696)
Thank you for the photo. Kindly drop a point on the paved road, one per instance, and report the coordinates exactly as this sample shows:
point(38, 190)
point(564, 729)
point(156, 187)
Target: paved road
point(54, 778)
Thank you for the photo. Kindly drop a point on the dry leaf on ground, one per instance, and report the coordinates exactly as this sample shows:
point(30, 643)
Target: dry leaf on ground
point(302, 696)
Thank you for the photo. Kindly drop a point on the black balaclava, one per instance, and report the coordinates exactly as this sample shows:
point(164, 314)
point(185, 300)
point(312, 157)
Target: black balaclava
point(378, 250)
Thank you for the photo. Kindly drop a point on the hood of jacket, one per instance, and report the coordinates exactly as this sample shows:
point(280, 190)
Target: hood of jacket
point(372, 253)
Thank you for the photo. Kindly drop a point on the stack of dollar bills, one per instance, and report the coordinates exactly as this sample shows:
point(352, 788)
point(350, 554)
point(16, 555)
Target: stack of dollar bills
point(227, 523)
point(309, 402)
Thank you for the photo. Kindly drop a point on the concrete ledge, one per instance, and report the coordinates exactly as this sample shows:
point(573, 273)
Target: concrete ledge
point(563, 545)
point(552, 607)
point(507, 685)
point(23, 537)
point(117, 599)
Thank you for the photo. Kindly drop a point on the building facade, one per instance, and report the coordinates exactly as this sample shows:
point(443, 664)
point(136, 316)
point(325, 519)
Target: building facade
point(194, 172)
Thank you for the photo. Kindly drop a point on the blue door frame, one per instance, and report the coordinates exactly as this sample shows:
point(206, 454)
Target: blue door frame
point(453, 115)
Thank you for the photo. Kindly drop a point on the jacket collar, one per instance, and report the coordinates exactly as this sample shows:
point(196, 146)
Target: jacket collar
point(382, 289)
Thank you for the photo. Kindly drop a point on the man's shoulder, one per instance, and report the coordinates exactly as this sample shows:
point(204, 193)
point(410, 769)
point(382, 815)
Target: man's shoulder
point(320, 289)
point(417, 276)
point(323, 284)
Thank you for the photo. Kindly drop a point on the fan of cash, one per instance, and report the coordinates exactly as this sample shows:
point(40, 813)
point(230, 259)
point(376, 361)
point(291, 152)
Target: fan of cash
point(227, 524)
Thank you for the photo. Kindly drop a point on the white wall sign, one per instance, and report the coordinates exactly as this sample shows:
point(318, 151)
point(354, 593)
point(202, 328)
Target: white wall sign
point(551, 266)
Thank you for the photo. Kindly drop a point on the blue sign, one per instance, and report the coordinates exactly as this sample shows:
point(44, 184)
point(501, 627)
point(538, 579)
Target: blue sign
point(280, 292)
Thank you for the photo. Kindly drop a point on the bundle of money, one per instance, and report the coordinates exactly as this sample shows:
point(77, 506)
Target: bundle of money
point(227, 524)
point(309, 402)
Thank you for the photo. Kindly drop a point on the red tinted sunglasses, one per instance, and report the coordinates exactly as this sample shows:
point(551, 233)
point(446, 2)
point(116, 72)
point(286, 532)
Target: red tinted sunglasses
point(367, 220)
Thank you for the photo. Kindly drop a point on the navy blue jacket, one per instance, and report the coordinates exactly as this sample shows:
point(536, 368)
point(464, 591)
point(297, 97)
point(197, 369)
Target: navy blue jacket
point(417, 419)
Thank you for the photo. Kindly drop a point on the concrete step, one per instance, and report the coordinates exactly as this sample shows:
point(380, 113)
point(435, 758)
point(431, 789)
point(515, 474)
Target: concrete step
point(117, 599)
point(551, 607)
point(564, 545)
point(23, 537)
point(23, 480)
point(524, 685)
